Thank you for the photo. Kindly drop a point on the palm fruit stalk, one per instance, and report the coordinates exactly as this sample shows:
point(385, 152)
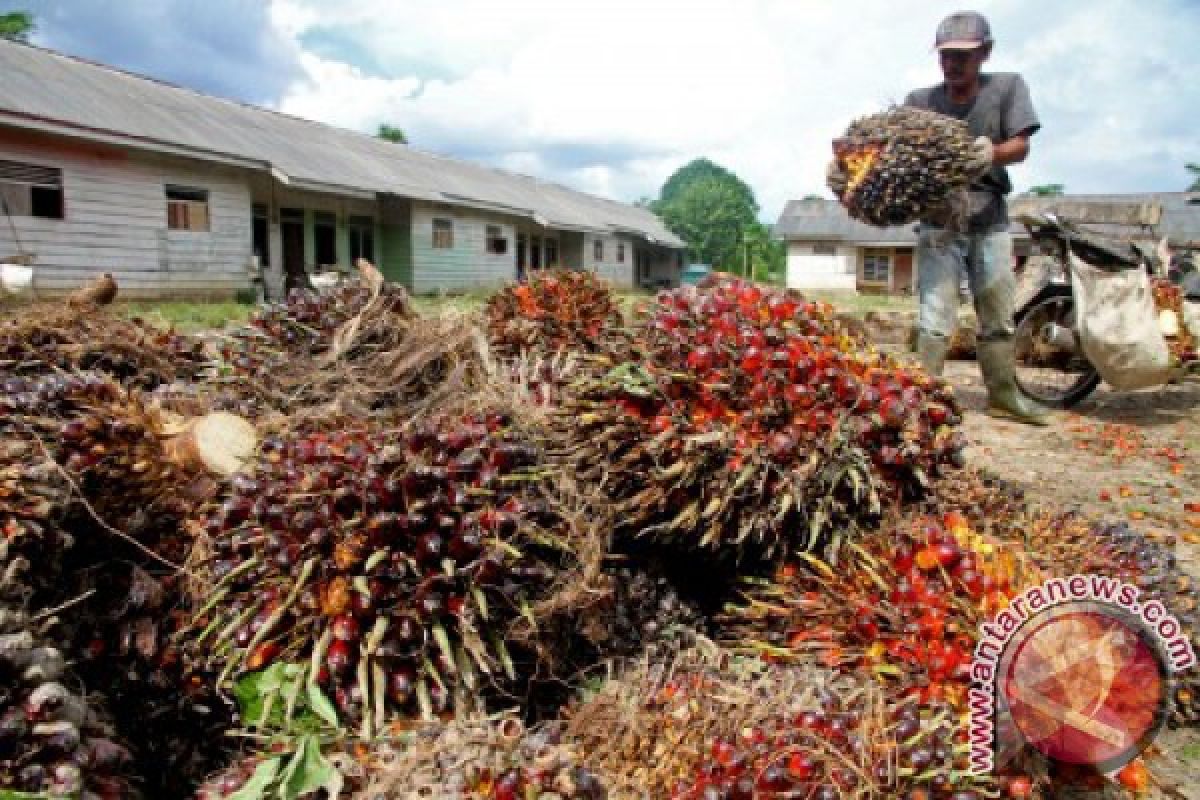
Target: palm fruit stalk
point(357, 350)
point(902, 164)
point(389, 563)
point(755, 423)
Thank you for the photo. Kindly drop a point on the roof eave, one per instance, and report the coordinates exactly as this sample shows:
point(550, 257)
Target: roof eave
point(30, 122)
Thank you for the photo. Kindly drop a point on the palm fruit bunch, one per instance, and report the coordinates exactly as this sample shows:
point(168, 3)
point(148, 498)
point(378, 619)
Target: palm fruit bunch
point(44, 340)
point(702, 725)
point(555, 310)
point(902, 164)
point(105, 439)
point(1070, 544)
point(52, 741)
point(755, 423)
point(906, 603)
point(1168, 298)
point(389, 562)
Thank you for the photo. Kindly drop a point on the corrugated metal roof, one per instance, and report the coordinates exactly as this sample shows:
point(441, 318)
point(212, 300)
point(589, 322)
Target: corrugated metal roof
point(40, 86)
point(819, 219)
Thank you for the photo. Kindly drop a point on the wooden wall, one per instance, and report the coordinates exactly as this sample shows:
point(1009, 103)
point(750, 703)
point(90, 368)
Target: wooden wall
point(116, 221)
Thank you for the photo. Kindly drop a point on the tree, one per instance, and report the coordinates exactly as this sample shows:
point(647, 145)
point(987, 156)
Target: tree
point(392, 134)
point(1195, 170)
point(711, 209)
point(1047, 190)
point(16, 25)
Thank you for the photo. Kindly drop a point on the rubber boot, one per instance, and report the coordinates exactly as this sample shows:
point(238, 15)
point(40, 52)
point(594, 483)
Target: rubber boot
point(931, 350)
point(997, 362)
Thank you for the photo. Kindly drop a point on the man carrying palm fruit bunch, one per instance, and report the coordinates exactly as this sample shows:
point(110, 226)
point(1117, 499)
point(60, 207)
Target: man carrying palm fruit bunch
point(999, 113)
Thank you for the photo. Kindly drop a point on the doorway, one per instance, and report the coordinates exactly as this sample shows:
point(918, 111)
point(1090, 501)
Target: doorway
point(291, 224)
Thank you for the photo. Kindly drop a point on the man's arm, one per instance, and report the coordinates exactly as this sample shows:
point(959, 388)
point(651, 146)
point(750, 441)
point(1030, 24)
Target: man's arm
point(1011, 151)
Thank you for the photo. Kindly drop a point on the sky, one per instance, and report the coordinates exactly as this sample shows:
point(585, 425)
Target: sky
point(611, 96)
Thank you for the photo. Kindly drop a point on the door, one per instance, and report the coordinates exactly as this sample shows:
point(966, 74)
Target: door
point(535, 252)
point(292, 229)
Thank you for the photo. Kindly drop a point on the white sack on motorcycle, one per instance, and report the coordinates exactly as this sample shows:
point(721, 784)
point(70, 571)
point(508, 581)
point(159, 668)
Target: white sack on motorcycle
point(1118, 325)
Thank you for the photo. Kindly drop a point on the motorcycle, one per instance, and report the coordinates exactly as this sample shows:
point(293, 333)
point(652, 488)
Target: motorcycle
point(1052, 365)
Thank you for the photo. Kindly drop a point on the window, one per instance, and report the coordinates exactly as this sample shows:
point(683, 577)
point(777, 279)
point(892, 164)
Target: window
point(261, 236)
point(824, 249)
point(443, 234)
point(598, 250)
point(187, 208)
point(620, 252)
point(361, 232)
point(325, 238)
point(497, 244)
point(877, 266)
point(28, 190)
point(552, 252)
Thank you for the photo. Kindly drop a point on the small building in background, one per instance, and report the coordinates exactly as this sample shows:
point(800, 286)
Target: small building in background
point(827, 249)
point(178, 193)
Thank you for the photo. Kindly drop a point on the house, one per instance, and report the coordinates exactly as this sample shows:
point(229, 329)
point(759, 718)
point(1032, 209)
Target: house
point(180, 193)
point(827, 249)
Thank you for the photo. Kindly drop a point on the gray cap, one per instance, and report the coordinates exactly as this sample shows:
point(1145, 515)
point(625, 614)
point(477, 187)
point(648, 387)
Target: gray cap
point(964, 30)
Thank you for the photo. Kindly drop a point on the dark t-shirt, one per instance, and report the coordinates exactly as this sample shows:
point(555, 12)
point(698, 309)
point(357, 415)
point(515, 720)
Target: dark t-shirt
point(1000, 111)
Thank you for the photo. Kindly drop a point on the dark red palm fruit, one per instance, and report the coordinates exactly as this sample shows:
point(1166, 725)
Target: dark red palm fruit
point(431, 548)
point(341, 658)
point(401, 685)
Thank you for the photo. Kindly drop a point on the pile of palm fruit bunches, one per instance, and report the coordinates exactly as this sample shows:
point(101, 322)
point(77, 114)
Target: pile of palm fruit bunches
point(723, 549)
point(902, 164)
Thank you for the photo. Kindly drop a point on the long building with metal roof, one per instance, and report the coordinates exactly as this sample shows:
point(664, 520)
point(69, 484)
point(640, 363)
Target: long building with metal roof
point(182, 193)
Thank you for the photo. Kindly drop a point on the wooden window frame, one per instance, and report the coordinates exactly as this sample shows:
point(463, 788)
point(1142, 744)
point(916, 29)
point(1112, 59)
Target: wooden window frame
point(442, 234)
point(360, 230)
point(824, 249)
point(875, 254)
point(327, 220)
point(39, 187)
point(550, 252)
point(495, 242)
point(598, 250)
point(620, 252)
point(188, 209)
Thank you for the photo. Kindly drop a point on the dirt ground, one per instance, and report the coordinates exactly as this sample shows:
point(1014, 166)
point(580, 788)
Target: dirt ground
point(1132, 456)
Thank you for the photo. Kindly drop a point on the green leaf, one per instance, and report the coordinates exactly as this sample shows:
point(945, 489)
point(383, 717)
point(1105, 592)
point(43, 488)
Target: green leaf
point(260, 781)
point(321, 705)
point(308, 771)
point(252, 691)
point(12, 794)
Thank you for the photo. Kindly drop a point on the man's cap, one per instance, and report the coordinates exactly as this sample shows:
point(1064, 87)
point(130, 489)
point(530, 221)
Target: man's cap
point(964, 30)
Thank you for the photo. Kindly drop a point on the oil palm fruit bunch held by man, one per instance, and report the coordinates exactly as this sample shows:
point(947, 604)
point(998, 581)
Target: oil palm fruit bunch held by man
point(972, 239)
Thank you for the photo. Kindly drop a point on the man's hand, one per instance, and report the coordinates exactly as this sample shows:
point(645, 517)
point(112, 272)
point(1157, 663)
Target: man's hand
point(981, 158)
point(836, 178)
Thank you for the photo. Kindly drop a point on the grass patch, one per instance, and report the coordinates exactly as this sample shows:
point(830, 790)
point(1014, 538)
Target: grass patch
point(856, 303)
point(188, 316)
point(1190, 753)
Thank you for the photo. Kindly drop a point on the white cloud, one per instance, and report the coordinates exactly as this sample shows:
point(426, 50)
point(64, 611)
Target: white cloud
point(610, 96)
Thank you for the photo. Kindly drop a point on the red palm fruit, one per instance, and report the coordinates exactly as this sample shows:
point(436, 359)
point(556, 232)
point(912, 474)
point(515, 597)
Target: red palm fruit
point(430, 549)
point(262, 656)
point(466, 546)
point(1020, 787)
point(340, 658)
point(723, 752)
point(753, 360)
point(893, 411)
point(345, 628)
point(949, 554)
point(800, 766)
point(937, 413)
point(782, 447)
point(700, 359)
point(902, 557)
point(774, 779)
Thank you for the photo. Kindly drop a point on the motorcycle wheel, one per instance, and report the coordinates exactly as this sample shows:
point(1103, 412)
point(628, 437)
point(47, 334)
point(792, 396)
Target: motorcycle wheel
point(1046, 372)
